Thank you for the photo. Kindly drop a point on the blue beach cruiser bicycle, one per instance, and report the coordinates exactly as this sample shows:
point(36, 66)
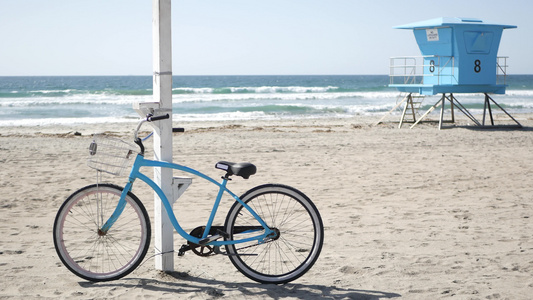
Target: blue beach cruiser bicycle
point(272, 233)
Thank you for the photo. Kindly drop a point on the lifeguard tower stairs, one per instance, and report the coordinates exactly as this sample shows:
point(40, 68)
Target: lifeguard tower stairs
point(459, 55)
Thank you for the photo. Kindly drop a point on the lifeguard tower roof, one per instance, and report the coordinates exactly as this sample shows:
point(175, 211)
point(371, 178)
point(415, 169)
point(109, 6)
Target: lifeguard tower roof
point(449, 21)
point(459, 55)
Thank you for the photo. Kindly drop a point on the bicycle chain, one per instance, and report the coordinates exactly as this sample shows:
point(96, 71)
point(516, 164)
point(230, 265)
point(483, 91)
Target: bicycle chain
point(220, 252)
point(265, 242)
point(269, 241)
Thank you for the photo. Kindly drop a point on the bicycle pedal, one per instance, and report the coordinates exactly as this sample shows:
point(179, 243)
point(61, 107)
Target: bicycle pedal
point(183, 249)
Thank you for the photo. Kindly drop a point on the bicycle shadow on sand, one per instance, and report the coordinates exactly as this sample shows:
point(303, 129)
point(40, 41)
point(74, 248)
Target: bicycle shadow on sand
point(179, 283)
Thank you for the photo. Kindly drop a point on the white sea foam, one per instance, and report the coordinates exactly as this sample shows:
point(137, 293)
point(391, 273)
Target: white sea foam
point(194, 90)
point(255, 89)
point(88, 99)
point(64, 121)
point(81, 104)
point(283, 89)
point(111, 99)
point(281, 96)
point(225, 116)
point(67, 91)
point(107, 99)
point(520, 93)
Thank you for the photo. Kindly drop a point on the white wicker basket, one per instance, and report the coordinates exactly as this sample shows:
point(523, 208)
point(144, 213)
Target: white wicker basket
point(111, 155)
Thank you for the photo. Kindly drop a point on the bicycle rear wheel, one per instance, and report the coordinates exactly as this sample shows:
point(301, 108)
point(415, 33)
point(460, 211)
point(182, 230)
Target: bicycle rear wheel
point(300, 234)
point(91, 254)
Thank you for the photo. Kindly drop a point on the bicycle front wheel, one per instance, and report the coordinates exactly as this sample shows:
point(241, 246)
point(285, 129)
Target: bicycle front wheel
point(300, 234)
point(88, 252)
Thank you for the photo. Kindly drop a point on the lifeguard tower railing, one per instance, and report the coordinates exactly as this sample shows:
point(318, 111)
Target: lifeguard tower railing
point(410, 70)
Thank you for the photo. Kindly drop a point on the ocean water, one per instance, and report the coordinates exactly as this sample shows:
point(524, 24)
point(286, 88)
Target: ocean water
point(46, 100)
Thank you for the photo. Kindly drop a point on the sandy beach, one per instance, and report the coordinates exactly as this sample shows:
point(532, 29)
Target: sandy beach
point(408, 213)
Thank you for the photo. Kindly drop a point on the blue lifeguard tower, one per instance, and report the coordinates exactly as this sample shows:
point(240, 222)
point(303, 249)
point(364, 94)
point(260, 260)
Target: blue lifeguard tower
point(459, 55)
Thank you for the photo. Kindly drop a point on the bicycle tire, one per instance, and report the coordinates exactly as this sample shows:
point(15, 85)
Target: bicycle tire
point(87, 252)
point(301, 234)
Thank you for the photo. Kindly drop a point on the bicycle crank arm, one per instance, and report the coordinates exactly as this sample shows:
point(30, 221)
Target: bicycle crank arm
point(210, 239)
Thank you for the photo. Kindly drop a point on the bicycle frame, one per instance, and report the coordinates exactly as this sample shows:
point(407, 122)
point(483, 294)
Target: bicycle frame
point(140, 161)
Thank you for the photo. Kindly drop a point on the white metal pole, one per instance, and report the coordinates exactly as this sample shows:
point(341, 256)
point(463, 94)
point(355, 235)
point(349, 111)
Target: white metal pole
point(162, 85)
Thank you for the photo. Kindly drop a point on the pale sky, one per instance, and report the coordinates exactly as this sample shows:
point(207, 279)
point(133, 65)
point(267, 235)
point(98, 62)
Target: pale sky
point(238, 37)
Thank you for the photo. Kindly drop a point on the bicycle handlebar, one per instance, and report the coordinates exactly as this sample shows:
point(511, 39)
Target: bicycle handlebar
point(149, 118)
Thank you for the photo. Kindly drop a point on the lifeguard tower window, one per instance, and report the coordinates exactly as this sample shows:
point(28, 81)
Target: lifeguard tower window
point(478, 42)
